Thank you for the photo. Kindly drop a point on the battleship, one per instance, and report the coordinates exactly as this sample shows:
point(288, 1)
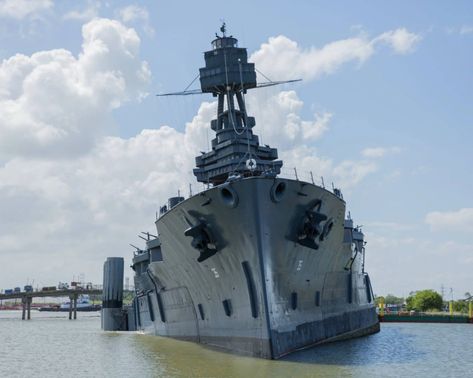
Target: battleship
point(255, 264)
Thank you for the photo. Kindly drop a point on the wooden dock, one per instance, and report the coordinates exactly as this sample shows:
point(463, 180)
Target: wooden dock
point(27, 298)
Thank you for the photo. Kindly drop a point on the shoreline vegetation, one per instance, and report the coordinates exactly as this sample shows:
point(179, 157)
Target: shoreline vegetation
point(424, 306)
point(425, 301)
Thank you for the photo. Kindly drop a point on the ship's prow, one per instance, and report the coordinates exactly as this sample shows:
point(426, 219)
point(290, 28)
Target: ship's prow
point(260, 288)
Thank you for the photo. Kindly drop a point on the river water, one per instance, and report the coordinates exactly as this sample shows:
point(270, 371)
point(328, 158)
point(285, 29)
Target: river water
point(50, 345)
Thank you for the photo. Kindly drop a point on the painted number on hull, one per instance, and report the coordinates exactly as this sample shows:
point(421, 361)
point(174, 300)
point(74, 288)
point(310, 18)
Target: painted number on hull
point(299, 265)
point(214, 271)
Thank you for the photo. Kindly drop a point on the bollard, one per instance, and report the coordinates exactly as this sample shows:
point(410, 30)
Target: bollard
point(450, 307)
point(381, 307)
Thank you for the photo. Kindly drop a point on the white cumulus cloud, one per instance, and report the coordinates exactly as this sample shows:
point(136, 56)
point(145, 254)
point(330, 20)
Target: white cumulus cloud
point(401, 40)
point(281, 58)
point(20, 9)
point(54, 104)
point(459, 220)
point(89, 12)
point(379, 152)
point(279, 120)
point(136, 14)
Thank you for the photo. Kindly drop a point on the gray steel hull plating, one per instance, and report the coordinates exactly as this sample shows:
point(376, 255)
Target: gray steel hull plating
point(262, 293)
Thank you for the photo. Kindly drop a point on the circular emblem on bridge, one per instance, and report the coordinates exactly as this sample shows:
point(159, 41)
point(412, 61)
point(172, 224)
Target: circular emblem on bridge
point(251, 164)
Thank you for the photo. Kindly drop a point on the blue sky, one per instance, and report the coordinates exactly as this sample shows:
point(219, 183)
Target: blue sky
point(384, 110)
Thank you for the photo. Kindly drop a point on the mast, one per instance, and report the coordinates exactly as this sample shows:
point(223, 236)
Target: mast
point(227, 75)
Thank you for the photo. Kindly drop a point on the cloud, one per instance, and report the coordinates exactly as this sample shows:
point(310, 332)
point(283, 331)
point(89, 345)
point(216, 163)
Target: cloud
point(93, 206)
point(466, 29)
point(350, 173)
point(136, 14)
point(281, 58)
point(460, 220)
point(408, 261)
point(280, 124)
point(379, 152)
point(390, 227)
point(88, 13)
point(310, 165)
point(55, 104)
point(279, 121)
point(401, 40)
point(20, 9)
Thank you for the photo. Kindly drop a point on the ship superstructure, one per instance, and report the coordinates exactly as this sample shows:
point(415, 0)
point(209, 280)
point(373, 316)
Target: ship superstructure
point(255, 264)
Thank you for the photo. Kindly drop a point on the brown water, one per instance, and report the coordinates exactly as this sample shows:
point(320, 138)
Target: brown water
point(50, 345)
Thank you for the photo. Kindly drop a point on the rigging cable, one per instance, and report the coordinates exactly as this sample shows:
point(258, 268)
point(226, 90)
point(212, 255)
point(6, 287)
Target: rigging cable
point(262, 74)
point(192, 82)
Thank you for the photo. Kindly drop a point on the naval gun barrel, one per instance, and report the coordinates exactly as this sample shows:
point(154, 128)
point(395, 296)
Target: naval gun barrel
point(112, 300)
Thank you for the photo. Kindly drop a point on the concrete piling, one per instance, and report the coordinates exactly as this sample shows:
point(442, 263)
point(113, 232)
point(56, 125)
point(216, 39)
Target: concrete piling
point(75, 307)
point(70, 308)
point(112, 300)
point(28, 307)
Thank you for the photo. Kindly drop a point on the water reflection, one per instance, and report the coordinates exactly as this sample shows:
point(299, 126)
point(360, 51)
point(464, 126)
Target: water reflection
point(56, 347)
point(399, 349)
point(394, 345)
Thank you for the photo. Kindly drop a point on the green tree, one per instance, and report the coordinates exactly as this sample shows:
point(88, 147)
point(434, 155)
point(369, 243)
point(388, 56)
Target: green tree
point(392, 299)
point(424, 300)
point(460, 306)
point(410, 302)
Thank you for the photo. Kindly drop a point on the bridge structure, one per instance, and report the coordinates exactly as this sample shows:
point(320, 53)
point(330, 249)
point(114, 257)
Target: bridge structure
point(27, 298)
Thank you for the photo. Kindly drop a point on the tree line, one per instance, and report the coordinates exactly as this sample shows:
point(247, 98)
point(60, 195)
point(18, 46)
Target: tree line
point(425, 300)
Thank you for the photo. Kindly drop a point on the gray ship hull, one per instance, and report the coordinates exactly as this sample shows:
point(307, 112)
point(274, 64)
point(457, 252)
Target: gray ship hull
point(262, 293)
